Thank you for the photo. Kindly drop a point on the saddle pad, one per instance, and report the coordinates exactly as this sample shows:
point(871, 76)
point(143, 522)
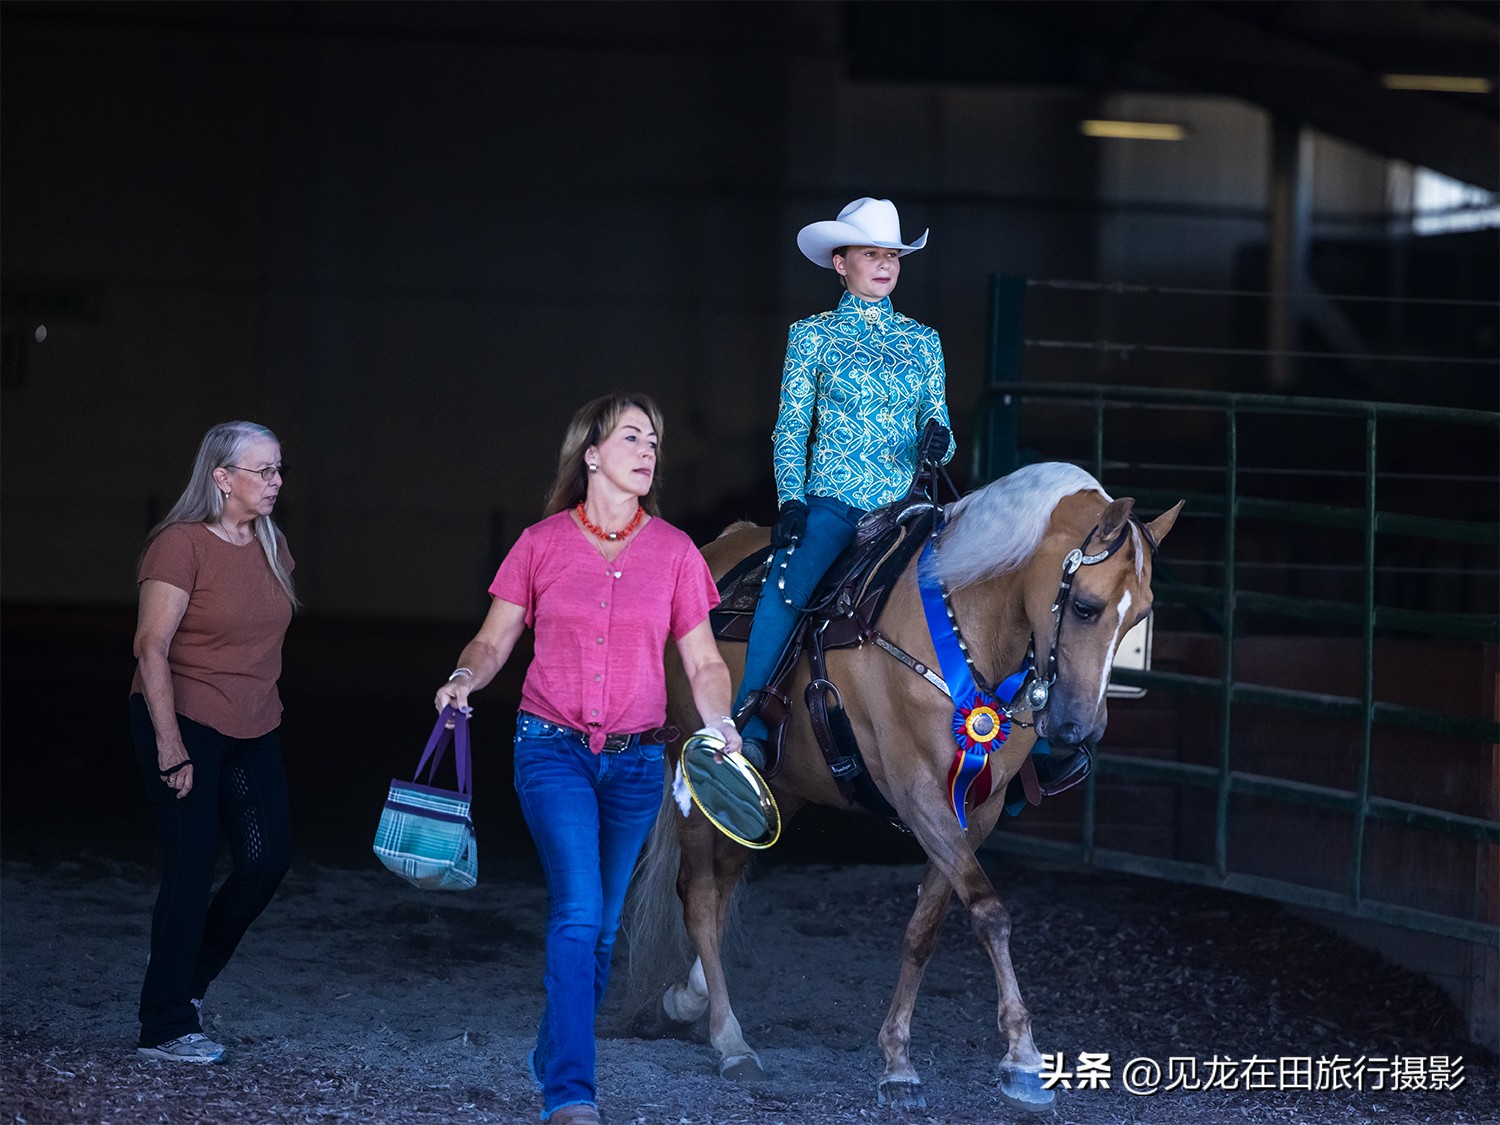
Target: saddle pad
point(739, 590)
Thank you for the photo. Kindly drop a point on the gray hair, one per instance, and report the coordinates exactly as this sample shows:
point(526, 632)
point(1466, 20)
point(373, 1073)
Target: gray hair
point(202, 502)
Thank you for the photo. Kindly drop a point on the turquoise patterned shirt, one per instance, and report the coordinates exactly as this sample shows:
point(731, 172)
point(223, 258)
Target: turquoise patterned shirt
point(869, 379)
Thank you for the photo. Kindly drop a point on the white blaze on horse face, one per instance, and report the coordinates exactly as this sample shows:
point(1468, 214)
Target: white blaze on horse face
point(1114, 644)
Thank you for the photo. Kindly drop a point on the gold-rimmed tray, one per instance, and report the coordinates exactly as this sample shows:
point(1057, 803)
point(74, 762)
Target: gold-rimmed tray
point(729, 791)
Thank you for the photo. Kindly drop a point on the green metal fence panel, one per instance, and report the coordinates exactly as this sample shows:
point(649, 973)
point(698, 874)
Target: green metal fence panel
point(1359, 616)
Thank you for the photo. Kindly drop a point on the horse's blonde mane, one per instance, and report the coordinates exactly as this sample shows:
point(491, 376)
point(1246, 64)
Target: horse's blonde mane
point(997, 528)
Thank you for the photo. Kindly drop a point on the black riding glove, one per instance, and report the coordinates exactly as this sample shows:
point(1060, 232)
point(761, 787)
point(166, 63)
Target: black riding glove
point(934, 442)
point(790, 523)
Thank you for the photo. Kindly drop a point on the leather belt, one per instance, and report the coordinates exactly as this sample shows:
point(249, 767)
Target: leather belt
point(613, 743)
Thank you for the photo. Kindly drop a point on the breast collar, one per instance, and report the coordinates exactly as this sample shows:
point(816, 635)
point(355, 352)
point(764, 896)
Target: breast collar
point(982, 715)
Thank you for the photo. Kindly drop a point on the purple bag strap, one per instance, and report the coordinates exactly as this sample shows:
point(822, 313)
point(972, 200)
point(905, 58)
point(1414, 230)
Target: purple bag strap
point(437, 745)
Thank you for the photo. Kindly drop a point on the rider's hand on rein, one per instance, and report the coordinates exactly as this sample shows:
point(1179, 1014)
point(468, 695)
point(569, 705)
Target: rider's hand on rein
point(790, 523)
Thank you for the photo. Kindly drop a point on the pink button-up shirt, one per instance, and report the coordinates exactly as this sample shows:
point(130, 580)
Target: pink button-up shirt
point(601, 627)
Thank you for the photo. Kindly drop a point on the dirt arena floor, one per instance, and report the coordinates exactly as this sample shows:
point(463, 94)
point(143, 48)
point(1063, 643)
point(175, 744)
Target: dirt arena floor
point(358, 998)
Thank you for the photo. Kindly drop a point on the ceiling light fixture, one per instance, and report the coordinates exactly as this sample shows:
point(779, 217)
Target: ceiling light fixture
point(1133, 130)
point(1440, 83)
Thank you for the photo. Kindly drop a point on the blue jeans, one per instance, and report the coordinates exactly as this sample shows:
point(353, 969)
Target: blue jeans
point(830, 528)
point(590, 815)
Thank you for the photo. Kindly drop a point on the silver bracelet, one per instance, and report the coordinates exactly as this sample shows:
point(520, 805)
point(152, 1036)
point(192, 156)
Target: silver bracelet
point(728, 719)
point(457, 672)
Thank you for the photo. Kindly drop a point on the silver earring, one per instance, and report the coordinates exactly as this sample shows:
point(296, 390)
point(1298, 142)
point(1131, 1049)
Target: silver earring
point(593, 468)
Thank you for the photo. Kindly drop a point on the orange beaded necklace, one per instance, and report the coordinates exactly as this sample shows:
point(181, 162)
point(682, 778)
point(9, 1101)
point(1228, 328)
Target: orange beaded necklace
point(610, 536)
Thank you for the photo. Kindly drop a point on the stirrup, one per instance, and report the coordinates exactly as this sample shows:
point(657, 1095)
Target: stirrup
point(754, 751)
point(1055, 775)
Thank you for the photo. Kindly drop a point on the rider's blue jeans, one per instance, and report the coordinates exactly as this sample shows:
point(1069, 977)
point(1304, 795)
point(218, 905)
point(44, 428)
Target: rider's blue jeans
point(830, 528)
point(590, 815)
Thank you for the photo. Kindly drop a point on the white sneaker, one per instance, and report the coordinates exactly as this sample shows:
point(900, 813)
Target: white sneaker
point(195, 1047)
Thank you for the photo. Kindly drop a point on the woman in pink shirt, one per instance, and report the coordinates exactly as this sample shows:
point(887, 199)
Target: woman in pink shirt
point(604, 583)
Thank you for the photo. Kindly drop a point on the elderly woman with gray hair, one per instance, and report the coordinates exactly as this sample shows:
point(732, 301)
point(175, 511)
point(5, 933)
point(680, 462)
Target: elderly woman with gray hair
point(215, 600)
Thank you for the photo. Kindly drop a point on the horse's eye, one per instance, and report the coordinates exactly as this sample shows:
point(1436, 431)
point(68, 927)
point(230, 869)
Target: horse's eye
point(1085, 611)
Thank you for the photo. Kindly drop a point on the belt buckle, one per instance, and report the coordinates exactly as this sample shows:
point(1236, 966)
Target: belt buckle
point(615, 743)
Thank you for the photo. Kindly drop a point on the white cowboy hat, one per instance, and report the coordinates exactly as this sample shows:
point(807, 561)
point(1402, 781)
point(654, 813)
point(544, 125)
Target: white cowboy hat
point(865, 222)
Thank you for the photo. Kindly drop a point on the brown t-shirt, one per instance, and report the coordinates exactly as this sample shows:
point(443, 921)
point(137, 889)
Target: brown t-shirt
point(226, 654)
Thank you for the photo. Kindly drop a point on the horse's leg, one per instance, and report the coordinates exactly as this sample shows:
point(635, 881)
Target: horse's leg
point(950, 851)
point(899, 1085)
point(699, 893)
point(711, 868)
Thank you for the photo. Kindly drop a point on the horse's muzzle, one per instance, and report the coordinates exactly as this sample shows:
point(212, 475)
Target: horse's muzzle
point(1064, 724)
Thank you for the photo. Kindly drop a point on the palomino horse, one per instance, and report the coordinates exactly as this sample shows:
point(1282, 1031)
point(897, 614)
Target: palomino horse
point(1040, 558)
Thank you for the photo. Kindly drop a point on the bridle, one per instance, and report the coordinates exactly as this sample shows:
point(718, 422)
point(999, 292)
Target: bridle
point(1037, 692)
point(1036, 689)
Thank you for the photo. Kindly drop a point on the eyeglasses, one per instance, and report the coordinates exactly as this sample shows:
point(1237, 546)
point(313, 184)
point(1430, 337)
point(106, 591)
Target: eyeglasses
point(265, 474)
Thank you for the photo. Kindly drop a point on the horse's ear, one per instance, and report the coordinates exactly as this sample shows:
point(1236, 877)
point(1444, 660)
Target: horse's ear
point(1163, 523)
point(1114, 519)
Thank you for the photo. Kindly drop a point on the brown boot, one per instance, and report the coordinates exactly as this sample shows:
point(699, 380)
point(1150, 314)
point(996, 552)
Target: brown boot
point(579, 1113)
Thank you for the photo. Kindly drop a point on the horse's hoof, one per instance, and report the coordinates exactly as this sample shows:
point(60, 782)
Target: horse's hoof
point(741, 1068)
point(903, 1095)
point(1023, 1090)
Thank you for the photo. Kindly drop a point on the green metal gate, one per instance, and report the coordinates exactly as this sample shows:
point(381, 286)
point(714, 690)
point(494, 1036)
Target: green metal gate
point(1394, 560)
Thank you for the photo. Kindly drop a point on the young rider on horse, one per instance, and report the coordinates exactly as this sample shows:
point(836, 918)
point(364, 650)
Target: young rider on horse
point(861, 381)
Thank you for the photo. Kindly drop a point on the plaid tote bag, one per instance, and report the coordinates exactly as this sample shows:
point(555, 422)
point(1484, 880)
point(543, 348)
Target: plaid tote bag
point(425, 834)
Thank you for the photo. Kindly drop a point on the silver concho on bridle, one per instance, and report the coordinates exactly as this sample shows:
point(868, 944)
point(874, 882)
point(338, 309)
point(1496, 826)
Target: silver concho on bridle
point(1037, 693)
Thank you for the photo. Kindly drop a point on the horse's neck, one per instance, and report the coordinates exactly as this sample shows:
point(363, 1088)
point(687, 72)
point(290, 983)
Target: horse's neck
point(992, 617)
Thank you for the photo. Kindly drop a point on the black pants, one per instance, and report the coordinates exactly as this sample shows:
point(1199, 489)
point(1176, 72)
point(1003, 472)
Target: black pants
point(241, 783)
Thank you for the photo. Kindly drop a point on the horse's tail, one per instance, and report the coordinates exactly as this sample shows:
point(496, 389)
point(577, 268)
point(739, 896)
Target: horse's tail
point(652, 925)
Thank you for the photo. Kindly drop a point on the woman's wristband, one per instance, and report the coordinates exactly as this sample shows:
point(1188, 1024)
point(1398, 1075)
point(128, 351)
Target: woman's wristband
point(728, 719)
point(457, 672)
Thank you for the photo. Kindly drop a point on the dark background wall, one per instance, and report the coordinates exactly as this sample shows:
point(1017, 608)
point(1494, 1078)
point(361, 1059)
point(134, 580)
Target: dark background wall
point(414, 249)
point(412, 238)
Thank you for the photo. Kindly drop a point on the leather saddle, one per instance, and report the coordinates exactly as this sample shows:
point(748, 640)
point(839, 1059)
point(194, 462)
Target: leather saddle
point(848, 601)
point(844, 611)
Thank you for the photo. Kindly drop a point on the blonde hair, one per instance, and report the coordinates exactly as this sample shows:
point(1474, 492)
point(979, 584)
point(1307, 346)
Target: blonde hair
point(594, 422)
point(202, 502)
